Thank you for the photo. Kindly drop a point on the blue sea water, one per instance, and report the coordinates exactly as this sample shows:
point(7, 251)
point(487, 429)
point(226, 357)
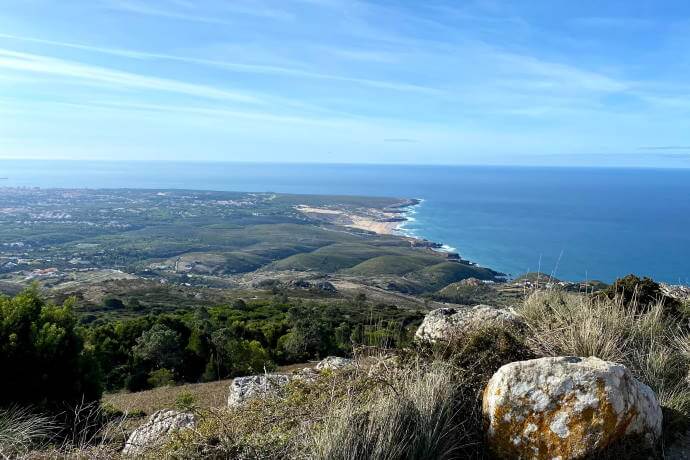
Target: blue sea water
point(576, 223)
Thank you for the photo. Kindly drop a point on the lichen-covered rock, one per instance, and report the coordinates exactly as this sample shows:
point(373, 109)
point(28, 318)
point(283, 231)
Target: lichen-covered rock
point(446, 324)
point(566, 408)
point(256, 386)
point(333, 363)
point(155, 431)
point(675, 291)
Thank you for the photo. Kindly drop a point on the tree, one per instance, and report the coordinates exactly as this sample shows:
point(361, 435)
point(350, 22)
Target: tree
point(233, 356)
point(42, 357)
point(309, 337)
point(160, 347)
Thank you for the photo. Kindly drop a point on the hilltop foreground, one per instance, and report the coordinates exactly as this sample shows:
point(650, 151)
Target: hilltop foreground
point(475, 383)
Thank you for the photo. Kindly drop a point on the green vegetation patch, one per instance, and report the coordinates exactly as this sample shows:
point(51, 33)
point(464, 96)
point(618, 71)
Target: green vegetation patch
point(440, 275)
point(393, 265)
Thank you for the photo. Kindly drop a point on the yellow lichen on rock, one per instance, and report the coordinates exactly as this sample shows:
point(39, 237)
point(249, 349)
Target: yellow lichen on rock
point(565, 408)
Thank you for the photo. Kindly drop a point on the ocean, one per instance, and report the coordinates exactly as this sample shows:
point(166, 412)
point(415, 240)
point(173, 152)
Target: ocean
point(574, 223)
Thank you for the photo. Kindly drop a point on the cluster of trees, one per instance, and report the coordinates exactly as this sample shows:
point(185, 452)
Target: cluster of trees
point(42, 354)
point(52, 360)
point(228, 341)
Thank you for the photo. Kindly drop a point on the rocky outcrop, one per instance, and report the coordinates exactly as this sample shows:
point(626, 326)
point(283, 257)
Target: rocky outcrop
point(333, 363)
point(243, 389)
point(156, 430)
point(566, 408)
point(256, 386)
point(447, 324)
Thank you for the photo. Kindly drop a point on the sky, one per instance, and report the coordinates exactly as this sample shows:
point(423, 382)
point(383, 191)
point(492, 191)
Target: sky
point(553, 82)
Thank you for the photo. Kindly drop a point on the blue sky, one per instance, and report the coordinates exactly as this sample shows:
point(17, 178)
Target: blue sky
point(485, 81)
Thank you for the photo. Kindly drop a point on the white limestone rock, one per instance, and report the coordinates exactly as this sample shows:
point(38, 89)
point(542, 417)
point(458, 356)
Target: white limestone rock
point(333, 363)
point(256, 386)
point(156, 430)
point(676, 291)
point(566, 408)
point(447, 324)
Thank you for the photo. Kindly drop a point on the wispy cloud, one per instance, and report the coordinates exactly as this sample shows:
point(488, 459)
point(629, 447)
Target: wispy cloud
point(241, 67)
point(26, 62)
point(561, 75)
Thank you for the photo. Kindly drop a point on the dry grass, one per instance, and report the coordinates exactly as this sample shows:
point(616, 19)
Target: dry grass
point(21, 431)
point(385, 408)
point(207, 395)
point(415, 417)
point(647, 341)
point(83, 432)
point(409, 404)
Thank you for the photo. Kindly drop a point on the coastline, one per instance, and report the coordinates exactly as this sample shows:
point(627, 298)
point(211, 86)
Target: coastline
point(418, 240)
point(408, 216)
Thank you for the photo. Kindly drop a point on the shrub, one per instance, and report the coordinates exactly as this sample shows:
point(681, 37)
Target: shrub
point(161, 378)
point(642, 293)
point(186, 401)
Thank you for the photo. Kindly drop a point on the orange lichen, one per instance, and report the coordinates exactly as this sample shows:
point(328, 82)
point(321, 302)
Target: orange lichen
point(591, 428)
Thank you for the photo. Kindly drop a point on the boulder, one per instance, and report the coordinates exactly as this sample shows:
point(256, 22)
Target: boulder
point(155, 431)
point(333, 363)
point(446, 324)
point(256, 386)
point(566, 408)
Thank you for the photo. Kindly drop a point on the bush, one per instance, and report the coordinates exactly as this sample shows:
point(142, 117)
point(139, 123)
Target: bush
point(642, 293)
point(161, 378)
point(481, 352)
point(186, 402)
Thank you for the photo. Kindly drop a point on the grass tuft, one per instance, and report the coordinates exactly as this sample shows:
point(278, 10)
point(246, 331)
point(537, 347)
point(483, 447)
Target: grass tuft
point(654, 345)
point(21, 430)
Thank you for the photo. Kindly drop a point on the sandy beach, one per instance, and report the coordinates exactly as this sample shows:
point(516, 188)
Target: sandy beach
point(372, 220)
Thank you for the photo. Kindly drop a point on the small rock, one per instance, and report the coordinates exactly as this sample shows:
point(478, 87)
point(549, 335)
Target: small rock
point(566, 408)
point(675, 291)
point(256, 386)
point(333, 363)
point(446, 324)
point(156, 429)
